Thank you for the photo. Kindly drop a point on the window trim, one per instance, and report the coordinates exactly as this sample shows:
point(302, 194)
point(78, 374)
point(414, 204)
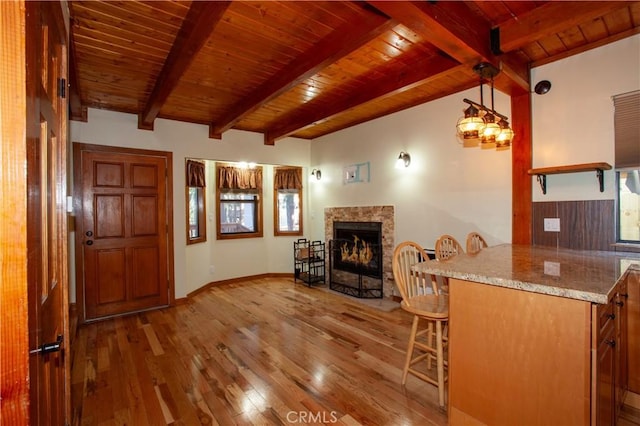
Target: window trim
point(276, 214)
point(287, 178)
point(202, 223)
point(195, 171)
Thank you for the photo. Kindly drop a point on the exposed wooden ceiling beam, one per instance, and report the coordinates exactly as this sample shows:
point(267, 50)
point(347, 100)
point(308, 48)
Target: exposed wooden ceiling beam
point(551, 18)
point(422, 72)
point(341, 42)
point(78, 112)
point(459, 32)
point(450, 26)
point(199, 23)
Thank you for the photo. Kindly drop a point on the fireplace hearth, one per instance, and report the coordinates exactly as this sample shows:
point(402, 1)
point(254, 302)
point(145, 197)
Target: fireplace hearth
point(355, 259)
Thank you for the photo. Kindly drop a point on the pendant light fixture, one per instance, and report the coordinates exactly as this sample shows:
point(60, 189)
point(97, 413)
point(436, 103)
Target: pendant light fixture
point(482, 125)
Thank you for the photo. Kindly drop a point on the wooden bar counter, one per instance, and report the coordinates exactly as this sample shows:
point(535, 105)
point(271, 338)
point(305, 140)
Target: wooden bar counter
point(539, 335)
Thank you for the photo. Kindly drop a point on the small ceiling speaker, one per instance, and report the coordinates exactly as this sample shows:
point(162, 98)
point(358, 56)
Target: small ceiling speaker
point(542, 87)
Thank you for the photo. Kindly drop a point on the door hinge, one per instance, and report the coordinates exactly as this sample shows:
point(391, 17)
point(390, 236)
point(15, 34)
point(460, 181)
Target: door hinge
point(62, 87)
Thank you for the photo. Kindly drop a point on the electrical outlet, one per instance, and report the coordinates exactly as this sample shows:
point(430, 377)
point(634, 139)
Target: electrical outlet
point(552, 224)
point(212, 269)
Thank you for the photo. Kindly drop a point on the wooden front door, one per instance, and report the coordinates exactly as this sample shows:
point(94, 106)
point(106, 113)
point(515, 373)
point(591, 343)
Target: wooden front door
point(122, 235)
point(47, 271)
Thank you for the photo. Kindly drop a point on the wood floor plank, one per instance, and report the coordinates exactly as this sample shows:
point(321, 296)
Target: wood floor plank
point(257, 352)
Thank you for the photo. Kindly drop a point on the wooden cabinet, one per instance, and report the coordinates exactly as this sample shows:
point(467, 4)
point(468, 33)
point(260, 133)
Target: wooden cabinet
point(518, 355)
point(633, 330)
point(604, 385)
point(611, 364)
point(621, 359)
point(604, 364)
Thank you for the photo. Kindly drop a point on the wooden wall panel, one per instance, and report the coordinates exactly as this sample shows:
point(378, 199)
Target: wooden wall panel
point(572, 224)
point(539, 212)
point(600, 223)
point(584, 225)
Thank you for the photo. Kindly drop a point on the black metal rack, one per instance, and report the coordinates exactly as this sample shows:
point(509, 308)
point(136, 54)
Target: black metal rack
point(309, 261)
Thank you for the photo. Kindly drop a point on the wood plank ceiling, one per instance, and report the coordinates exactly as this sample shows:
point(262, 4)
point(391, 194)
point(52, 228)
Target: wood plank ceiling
point(310, 68)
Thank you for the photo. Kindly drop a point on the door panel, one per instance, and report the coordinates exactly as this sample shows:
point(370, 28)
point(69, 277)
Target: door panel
point(124, 237)
point(46, 214)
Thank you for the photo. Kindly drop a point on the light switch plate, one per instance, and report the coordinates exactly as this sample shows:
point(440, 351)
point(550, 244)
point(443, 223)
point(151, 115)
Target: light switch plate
point(552, 224)
point(552, 268)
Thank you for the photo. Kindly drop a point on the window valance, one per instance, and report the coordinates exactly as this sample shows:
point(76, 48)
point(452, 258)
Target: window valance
point(287, 178)
point(195, 174)
point(230, 177)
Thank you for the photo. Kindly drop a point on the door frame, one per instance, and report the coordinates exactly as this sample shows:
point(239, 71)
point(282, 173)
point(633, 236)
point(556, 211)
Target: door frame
point(78, 148)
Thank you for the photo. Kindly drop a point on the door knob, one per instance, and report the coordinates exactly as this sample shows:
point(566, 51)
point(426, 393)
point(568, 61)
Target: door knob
point(89, 233)
point(89, 242)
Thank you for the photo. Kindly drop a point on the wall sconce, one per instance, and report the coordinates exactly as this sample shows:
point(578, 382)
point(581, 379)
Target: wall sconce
point(404, 159)
point(317, 173)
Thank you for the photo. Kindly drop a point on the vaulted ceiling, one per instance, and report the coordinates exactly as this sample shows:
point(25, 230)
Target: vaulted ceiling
point(310, 68)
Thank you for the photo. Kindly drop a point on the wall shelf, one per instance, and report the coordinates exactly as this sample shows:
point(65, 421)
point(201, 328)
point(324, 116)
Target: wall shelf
point(541, 173)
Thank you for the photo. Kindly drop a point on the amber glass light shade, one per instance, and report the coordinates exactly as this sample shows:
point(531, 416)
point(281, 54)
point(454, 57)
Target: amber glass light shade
point(469, 127)
point(504, 138)
point(491, 129)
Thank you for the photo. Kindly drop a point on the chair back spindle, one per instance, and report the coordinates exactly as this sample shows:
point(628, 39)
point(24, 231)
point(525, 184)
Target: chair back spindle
point(475, 243)
point(447, 247)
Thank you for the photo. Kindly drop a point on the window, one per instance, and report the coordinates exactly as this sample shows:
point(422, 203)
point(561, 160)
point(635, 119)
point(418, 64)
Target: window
point(287, 196)
point(239, 195)
point(627, 154)
point(196, 206)
point(628, 184)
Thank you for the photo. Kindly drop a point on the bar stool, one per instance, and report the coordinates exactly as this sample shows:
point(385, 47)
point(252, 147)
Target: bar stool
point(430, 308)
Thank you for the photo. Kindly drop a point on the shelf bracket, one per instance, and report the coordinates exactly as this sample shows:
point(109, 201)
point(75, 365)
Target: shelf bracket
point(541, 173)
point(542, 179)
point(600, 175)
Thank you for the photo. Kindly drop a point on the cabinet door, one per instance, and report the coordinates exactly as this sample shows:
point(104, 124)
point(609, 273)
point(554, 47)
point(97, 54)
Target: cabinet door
point(605, 383)
point(621, 349)
point(633, 330)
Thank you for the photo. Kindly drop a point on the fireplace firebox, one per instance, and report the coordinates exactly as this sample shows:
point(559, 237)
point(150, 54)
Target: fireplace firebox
point(355, 259)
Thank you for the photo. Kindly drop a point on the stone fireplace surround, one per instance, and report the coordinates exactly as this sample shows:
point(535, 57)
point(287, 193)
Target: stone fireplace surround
point(383, 214)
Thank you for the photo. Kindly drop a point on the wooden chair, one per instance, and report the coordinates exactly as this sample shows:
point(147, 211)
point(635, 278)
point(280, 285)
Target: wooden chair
point(447, 247)
point(475, 243)
point(429, 308)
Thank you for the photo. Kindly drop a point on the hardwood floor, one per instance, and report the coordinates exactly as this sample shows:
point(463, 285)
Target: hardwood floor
point(261, 352)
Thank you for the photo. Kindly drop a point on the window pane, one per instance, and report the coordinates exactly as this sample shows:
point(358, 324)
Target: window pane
point(196, 226)
point(629, 205)
point(237, 196)
point(288, 211)
point(193, 212)
point(238, 212)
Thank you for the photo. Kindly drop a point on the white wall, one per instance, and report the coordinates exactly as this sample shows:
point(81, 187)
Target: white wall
point(447, 188)
point(573, 123)
point(230, 258)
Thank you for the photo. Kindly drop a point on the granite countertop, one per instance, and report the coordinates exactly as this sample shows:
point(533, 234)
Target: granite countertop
point(582, 275)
